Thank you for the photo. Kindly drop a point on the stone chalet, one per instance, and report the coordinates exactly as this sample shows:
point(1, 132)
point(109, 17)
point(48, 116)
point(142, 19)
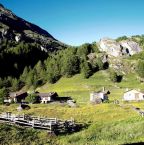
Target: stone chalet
point(99, 97)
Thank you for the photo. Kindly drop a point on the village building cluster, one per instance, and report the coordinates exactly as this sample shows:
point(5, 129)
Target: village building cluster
point(20, 97)
point(129, 95)
point(95, 97)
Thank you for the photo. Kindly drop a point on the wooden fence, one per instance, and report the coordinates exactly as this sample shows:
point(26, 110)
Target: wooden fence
point(52, 125)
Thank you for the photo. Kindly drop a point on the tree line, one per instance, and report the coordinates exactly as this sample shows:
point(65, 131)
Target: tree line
point(26, 65)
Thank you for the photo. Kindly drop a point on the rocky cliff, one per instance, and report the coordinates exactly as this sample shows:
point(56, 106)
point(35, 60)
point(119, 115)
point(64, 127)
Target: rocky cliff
point(122, 48)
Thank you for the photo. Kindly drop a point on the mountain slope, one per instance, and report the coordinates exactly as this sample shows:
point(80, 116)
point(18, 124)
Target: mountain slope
point(22, 43)
point(17, 29)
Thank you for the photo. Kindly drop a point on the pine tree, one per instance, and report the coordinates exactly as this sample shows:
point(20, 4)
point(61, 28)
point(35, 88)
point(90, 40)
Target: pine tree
point(3, 94)
point(24, 74)
point(71, 65)
point(140, 68)
point(40, 68)
point(86, 69)
point(15, 84)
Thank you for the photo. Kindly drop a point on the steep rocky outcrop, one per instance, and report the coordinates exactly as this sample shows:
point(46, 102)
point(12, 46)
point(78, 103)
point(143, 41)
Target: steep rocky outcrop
point(130, 47)
point(17, 29)
point(122, 48)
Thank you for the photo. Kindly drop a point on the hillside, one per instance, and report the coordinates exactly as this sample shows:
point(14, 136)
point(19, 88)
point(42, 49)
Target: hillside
point(80, 88)
point(33, 60)
point(106, 123)
point(22, 44)
point(17, 29)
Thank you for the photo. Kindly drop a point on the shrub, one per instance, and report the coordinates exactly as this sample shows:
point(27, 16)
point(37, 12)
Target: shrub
point(32, 98)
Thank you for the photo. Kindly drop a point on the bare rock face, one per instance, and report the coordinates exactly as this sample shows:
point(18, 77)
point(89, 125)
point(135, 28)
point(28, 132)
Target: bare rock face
point(131, 47)
point(110, 46)
point(116, 49)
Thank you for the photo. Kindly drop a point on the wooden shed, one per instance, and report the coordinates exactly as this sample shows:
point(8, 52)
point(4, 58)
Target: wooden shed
point(17, 97)
point(99, 97)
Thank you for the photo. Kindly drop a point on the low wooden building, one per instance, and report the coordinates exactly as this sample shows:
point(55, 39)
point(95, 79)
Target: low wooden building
point(16, 97)
point(133, 95)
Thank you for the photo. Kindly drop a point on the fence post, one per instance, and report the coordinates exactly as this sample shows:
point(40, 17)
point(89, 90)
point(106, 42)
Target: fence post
point(50, 127)
point(142, 113)
point(33, 122)
point(55, 120)
point(23, 116)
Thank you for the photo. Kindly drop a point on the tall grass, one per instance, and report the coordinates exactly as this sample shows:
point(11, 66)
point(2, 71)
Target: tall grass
point(107, 124)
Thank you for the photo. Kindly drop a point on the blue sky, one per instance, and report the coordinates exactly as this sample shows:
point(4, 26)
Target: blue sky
point(79, 21)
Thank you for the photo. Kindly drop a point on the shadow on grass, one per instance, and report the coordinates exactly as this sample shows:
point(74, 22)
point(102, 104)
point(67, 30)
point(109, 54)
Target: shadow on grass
point(138, 143)
point(69, 129)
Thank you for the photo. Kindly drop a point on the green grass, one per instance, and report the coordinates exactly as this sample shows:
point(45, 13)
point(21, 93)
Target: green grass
point(108, 124)
point(80, 88)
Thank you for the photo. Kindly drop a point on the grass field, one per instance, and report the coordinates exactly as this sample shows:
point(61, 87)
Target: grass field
point(80, 88)
point(107, 124)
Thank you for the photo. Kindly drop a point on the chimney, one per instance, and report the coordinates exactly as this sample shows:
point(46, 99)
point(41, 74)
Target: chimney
point(127, 89)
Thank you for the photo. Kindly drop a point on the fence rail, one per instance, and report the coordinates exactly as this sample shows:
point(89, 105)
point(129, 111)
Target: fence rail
point(49, 124)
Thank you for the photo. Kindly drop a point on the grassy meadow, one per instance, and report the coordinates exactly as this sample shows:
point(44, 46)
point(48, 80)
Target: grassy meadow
point(106, 124)
point(80, 88)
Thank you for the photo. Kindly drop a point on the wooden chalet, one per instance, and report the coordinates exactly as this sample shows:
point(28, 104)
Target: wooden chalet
point(47, 97)
point(18, 97)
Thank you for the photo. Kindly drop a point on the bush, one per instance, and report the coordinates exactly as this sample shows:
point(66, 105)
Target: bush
point(114, 77)
point(32, 98)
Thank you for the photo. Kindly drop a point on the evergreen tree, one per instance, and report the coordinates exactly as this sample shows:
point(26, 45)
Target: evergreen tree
point(84, 50)
point(39, 68)
point(1, 83)
point(30, 78)
point(15, 84)
point(86, 69)
point(71, 65)
point(3, 94)
point(32, 98)
point(100, 64)
point(140, 68)
point(53, 70)
point(24, 74)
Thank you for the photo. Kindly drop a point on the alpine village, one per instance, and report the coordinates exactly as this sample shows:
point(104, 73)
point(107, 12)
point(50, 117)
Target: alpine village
point(56, 94)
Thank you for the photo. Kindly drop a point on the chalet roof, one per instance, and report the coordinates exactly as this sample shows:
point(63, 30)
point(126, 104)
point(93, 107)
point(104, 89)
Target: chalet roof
point(15, 94)
point(104, 92)
point(134, 90)
point(50, 94)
